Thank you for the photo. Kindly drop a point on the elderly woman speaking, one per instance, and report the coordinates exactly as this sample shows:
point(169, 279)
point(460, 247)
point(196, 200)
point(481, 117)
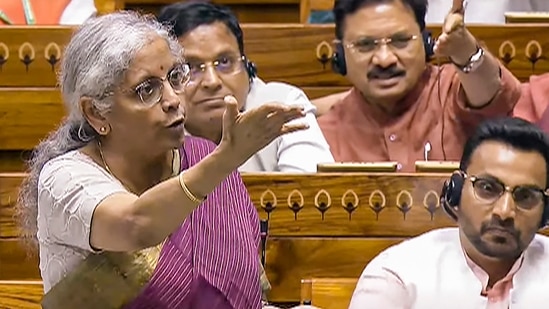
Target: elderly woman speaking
point(129, 213)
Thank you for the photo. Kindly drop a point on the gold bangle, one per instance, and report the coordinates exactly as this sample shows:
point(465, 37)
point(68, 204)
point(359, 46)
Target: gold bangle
point(188, 192)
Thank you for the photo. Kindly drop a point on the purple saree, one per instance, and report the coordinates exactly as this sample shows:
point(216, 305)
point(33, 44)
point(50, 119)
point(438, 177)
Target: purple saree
point(212, 260)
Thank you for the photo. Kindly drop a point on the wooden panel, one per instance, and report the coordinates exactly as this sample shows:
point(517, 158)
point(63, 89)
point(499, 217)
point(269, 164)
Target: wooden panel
point(20, 294)
point(306, 245)
point(328, 293)
point(27, 115)
point(526, 17)
point(291, 259)
point(32, 56)
point(108, 6)
point(375, 212)
point(13, 161)
point(271, 194)
point(288, 260)
point(292, 53)
point(17, 263)
point(381, 204)
point(9, 184)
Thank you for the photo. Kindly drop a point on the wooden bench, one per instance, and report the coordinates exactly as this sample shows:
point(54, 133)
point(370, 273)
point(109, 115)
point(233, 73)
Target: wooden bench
point(293, 53)
point(323, 225)
point(20, 294)
point(328, 293)
point(297, 54)
point(320, 225)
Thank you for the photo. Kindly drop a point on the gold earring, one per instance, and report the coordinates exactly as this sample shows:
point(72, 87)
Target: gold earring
point(103, 130)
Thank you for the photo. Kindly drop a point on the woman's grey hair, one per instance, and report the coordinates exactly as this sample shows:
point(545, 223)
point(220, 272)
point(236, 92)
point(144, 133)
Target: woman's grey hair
point(93, 65)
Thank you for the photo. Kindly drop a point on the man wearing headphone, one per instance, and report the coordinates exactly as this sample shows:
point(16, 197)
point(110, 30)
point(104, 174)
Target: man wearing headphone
point(494, 258)
point(399, 103)
point(214, 48)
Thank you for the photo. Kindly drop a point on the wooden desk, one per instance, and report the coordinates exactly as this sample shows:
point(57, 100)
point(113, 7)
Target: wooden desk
point(293, 53)
point(20, 294)
point(320, 225)
point(328, 293)
point(325, 225)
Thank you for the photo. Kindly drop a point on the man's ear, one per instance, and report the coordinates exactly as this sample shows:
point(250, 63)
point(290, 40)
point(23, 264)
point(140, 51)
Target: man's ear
point(96, 120)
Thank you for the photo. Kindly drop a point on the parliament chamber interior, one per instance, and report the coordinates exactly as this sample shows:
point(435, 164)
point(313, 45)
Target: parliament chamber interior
point(321, 228)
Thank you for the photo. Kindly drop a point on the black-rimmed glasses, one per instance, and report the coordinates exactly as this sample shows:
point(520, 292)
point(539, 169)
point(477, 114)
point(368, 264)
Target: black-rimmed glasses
point(489, 190)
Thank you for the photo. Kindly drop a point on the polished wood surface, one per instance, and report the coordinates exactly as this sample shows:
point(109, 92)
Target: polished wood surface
point(349, 204)
point(108, 6)
point(27, 115)
point(20, 294)
point(297, 54)
point(334, 205)
point(294, 53)
point(386, 209)
point(328, 293)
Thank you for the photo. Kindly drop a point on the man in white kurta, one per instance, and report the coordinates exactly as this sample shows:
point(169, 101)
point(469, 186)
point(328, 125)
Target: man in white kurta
point(494, 259)
point(213, 44)
point(295, 152)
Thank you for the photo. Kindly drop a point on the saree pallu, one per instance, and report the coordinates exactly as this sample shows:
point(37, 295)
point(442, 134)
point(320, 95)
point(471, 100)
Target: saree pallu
point(211, 261)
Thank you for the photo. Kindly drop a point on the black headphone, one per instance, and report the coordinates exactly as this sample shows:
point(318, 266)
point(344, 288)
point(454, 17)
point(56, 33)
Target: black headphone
point(251, 69)
point(450, 197)
point(339, 65)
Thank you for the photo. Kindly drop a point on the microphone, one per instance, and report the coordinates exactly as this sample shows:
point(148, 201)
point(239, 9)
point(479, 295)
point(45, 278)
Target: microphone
point(263, 230)
point(426, 150)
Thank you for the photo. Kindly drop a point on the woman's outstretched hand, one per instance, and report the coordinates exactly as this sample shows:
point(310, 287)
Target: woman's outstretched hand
point(246, 133)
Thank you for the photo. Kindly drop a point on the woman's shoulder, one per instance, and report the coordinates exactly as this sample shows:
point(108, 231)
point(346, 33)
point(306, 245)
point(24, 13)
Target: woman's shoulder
point(71, 159)
point(72, 168)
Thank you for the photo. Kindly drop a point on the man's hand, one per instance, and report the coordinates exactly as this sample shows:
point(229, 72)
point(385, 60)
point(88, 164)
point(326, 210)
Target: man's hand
point(456, 42)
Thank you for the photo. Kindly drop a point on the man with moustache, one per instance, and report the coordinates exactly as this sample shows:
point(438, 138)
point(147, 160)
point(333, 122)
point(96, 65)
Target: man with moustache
point(399, 104)
point(214, 48)
point(494, 258)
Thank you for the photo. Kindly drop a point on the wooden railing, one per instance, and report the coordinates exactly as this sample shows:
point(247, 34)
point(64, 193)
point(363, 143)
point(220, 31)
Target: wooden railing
point(293, 53)
point(328, 293)
point(30, 105)
point(320, 225)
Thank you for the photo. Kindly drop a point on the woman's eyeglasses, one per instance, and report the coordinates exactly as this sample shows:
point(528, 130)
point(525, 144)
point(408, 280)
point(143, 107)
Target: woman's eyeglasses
point(151, 90)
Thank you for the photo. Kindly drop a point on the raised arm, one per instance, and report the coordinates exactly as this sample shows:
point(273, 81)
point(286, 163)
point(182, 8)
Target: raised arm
point(125, 222)
point(480, 72)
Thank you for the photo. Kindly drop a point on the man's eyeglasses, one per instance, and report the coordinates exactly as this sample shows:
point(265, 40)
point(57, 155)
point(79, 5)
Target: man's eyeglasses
point(489, 190)
point(151, 90)
point(226, 65)
point(367, 45)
